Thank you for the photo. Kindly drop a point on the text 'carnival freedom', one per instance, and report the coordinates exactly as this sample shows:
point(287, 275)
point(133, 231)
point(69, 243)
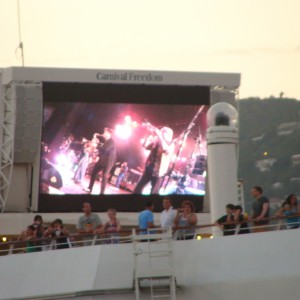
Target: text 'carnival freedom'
point(129, 76)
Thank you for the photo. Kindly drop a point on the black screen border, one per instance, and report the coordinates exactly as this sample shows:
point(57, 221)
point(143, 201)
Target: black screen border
point(119, 93)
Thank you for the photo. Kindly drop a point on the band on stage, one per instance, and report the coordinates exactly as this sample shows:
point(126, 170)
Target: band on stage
point(96, 160)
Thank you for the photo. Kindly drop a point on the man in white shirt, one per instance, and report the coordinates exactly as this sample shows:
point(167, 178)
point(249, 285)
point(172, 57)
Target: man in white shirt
point(168, 214)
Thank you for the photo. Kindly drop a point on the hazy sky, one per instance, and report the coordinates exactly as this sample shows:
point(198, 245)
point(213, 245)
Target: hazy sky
point(258, 38)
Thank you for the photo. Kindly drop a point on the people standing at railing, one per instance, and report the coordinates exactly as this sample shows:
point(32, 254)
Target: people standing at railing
point(38, 225)
point(39, 230)
point(260, 210)
point(290, 208)
point(111, 228)
point(228, 229)
point(146, 218)
point(240, 217)
point(185, 217)
point(29, 237)
point(168, 215)
point(57, 229)
point(89, 222)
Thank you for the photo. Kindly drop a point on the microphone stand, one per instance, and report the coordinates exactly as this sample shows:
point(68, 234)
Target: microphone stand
point(183, 139)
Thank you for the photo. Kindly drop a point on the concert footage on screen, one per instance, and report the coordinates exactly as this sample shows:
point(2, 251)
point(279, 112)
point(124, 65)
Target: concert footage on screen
point(123, 148)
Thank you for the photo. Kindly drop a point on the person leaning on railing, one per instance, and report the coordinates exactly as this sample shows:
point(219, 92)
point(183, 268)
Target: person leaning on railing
point(290, 208)
point(88, 223)
point(29, 237)
point(111, 228)
point(239, 216)
point(260, 210)
point(57, 229)
point(185, 217)
point(228, 229)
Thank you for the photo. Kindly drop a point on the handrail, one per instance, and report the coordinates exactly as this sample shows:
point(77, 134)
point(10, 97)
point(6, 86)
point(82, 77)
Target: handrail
point(122, 234)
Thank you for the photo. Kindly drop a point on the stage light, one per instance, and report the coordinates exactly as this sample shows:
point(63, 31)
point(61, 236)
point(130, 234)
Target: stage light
point(53, 179)
point(61, 159)
point(123, 131)
point(128, 119)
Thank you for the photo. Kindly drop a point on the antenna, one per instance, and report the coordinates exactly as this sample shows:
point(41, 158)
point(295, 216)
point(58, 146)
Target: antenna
point(21, 47)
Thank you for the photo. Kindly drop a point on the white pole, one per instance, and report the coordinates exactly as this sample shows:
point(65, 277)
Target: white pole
point(222, 142)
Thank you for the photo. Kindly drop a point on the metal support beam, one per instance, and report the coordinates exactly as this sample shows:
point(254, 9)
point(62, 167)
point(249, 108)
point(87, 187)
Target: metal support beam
point(20, 129)
point(7, 128)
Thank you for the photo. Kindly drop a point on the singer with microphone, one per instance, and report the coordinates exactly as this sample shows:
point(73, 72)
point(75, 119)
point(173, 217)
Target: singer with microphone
point(161, 147)
point(107, 158)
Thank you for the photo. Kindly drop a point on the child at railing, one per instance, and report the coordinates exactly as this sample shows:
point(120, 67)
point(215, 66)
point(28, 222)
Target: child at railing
point(28, 235)
point(111, 228)
point(56, 229)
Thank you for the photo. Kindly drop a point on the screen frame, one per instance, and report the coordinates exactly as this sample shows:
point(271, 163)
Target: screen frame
point(119, 93)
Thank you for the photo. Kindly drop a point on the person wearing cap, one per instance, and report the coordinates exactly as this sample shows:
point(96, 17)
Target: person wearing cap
point(161, 147)
point(107, 157)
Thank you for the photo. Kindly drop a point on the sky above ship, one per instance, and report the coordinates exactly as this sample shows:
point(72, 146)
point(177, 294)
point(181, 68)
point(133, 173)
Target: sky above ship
point(259, 39)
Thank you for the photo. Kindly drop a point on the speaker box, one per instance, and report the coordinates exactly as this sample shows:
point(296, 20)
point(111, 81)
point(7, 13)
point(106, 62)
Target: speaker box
point(28, 128)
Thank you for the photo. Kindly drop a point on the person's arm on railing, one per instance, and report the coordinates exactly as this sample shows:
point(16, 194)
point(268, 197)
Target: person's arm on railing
point(192, 219)
point(150, 224)
point(48, 232)
point(279, 212)
point(263, 213)
point(219, 225)
point(65, 231)
point(118, 226)
point(99, 229)
point(177, 217)
point(22, 236)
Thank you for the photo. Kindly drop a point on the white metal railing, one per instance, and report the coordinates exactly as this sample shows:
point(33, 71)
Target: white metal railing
point(125, 236)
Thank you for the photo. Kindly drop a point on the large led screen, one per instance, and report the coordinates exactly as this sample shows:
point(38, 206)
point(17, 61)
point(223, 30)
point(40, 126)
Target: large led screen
point(121, 147)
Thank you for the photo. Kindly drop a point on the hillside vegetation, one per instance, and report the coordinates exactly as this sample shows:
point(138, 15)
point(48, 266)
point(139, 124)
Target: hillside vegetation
point(269, 141)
